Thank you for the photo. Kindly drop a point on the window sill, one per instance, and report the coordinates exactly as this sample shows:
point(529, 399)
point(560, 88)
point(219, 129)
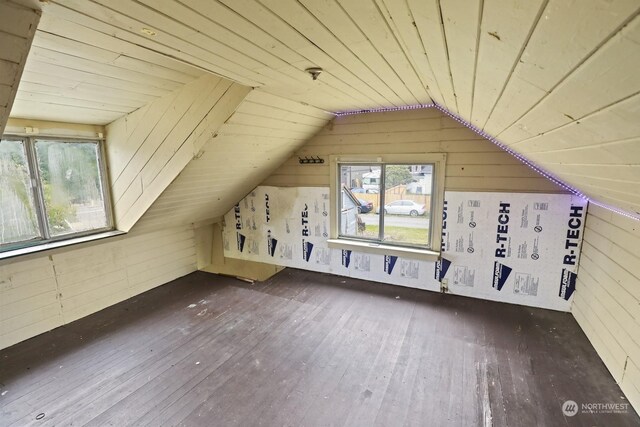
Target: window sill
point(376, 248)
point(58, 244)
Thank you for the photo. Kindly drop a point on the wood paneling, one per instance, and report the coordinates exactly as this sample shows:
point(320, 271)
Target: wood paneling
point(29, 300)
point(262, 133)
point(523, 71)
point(150, 147)
point(599, 146)
point(551, 54)
point(43, 291)
point(473, 163)
point(428, 22)
point(552, 79)
point(17, 28)
point(505, 30)
point(461, 19)
point(607, 302)
point(588, 89)
point(587, 125)
point(74, 74)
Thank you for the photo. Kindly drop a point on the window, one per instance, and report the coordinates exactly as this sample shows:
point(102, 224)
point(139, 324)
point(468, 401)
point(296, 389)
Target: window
point(51, 190)
point(390, 202)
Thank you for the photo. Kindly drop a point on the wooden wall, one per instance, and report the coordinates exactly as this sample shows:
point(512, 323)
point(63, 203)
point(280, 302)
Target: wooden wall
point(259, 136)
point(607, 297)
point(148, 148)
point(43, 291)
point(17, 28)
point(473, 163)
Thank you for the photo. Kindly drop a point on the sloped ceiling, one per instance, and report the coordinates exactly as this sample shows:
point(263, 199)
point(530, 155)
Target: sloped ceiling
point(263, 132)
point(556, 80)
point(75, 74)
point(17, 28)
point(148, 148)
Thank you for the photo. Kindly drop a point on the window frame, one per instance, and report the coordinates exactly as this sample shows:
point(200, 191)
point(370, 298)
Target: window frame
point(338, 241)
point(45, 240)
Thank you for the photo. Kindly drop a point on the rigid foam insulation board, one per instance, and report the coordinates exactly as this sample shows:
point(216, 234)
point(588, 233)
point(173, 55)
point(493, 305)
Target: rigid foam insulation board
point(290, 226)
point(519, 248)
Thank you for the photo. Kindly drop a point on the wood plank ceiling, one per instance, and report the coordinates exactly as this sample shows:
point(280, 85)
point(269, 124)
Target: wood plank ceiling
point(75, 76)
point(17, 28)
point(264, 131)
point(557, 80)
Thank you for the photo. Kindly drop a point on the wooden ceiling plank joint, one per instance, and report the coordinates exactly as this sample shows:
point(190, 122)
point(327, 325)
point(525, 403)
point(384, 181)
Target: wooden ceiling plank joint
point(367, 16)
point(319, 37)
point(608, 85)
point(535, 75)
point(461, 20)
point(372, 67)
point(402, 24)
point(518, 60)
point(429, 26)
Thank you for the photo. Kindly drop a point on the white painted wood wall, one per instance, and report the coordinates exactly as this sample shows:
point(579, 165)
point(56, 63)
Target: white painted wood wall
point(473, 163)
point(148, 148)
point(607, 298)
point(17, 28)
point(43, 291)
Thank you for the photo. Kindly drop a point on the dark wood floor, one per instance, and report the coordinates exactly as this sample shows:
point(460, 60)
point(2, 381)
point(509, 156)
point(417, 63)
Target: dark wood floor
point(306, 349)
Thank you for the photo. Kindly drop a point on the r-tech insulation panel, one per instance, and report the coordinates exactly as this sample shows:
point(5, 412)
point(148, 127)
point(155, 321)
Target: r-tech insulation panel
point(510, 247)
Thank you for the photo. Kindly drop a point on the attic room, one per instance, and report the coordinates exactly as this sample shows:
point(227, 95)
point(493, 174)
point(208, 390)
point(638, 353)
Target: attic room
point(336, 212)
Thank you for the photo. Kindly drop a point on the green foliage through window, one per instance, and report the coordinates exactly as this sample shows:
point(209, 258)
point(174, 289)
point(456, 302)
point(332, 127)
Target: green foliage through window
point(68, 180)
point(397, 175)
point(393, 206)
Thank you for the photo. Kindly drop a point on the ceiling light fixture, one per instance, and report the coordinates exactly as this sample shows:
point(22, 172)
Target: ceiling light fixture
point(314, 71)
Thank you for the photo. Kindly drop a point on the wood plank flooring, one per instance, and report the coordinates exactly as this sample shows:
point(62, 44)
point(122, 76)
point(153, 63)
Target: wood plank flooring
point(306, 349)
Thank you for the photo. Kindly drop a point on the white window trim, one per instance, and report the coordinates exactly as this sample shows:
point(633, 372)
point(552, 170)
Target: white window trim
point(49, 245)
point(340, 242)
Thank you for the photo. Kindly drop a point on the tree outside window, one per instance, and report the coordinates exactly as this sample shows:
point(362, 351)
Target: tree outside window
point(50, 189)
point(400, 215)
